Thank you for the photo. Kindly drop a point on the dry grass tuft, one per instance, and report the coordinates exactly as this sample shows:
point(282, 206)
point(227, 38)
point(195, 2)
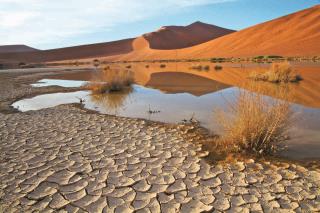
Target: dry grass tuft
point(254, 123)
point(279, 73)
point(111, 81)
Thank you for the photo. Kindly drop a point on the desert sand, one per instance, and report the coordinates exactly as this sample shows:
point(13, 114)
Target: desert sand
point(297, 34)
point(70, 53)
point(16, 49)
point(176, 37)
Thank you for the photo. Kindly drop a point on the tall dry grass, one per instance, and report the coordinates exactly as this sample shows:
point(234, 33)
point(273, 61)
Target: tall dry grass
point(111, 81)
point(254, 123)
point(278, 73)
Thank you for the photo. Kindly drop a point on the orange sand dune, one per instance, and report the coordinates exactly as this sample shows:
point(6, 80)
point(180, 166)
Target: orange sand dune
point(72, 53)
point(297, 34)
point(16, 49)
point(176, 37)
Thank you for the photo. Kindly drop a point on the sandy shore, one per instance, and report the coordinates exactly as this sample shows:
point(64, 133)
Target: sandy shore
point(67, 159)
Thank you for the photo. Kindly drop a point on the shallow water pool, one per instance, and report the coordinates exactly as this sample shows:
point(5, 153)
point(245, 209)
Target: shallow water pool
point(174, 108)
point(57, 82)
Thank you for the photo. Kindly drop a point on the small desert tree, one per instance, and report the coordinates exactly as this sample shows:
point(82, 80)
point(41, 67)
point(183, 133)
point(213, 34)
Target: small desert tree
point(96, 63)
point(21, 64)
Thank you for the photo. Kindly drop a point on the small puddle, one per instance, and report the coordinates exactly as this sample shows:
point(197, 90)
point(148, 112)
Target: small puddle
point(49, 100)
point(57, 82)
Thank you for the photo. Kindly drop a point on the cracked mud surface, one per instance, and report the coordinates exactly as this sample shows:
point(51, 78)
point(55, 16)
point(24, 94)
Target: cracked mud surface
point(65, 159)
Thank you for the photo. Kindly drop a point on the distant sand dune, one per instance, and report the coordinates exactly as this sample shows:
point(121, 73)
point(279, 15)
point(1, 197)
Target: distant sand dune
point(16, 48)
point(72, 53)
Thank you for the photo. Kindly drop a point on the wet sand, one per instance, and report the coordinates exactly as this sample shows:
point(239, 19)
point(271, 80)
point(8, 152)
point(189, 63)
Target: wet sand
point(70, 159)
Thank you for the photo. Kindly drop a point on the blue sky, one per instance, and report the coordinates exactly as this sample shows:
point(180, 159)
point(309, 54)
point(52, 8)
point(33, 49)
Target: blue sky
point(49, 24)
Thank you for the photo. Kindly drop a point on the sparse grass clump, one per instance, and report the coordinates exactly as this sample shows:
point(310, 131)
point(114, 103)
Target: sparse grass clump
point(128, 67)
point(218, 67)
point(196, 67)
point(111, 81)
point(206, 67)
point(200, 67)
point(254, 123)
point(278, 73)
point(162, 65)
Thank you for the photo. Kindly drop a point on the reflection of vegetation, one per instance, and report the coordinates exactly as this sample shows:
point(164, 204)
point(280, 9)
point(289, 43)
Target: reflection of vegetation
point(220, 60)
point(254, 123)
point(200, 67)
point(111, 81)
point(267, 58)
point(218, 67)
point(279, 73)
point(113, 100)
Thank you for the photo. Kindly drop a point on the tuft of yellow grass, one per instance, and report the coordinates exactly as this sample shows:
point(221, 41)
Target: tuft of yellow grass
point(278, 73)
point(111, 81)
point(254, 123)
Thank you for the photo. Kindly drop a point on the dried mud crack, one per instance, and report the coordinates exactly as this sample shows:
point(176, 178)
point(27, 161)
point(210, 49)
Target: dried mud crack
point(65, 159)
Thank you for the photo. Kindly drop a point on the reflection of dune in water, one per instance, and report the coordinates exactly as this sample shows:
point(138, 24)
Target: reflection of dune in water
point(175, 82)
point(306, 92)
